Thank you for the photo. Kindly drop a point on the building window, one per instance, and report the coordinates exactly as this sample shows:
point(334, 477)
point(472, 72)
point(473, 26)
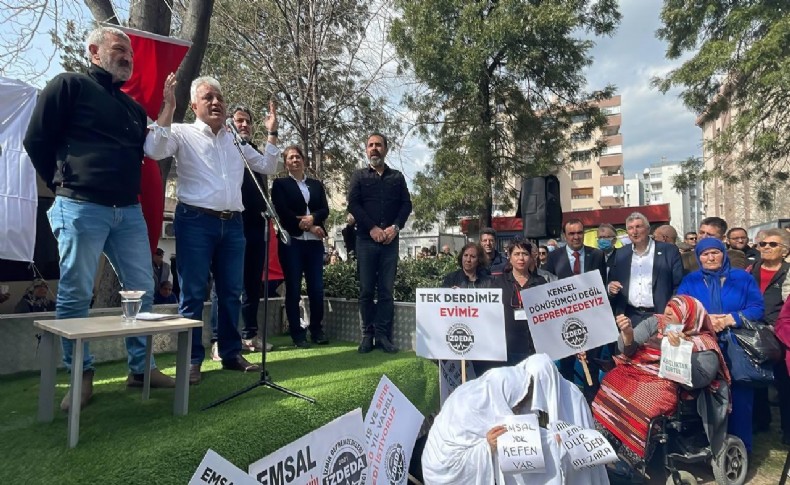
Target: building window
point(580, 137)
point(581, 175)
point(611, 110)
point(586, 193)
point(580, 156)
point(612, 150)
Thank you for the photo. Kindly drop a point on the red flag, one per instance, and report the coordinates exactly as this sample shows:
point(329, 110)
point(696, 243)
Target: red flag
point(155, 57)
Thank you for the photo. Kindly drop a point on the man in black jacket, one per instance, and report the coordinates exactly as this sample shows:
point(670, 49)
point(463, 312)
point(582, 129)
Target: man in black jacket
point(85, 140)
point(379, 200)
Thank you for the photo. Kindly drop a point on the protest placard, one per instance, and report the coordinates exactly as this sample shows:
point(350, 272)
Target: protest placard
point(569, 316)
point(332, 454)
point(586, 448)
point(455, 323)
point(391, 426)
point(450, 377)
point(520, 450)
point(216, 470)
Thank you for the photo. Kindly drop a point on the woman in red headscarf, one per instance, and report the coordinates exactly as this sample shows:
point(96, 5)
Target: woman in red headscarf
point(632, 393)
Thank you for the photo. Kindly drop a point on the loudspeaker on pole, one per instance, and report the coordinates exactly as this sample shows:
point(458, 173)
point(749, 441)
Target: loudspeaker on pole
point(540, 208)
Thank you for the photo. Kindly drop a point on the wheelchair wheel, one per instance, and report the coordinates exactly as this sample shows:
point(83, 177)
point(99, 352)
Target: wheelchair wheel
point(686, 478)
point(730, 467)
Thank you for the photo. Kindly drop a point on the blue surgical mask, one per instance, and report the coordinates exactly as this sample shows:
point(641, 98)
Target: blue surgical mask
point(550, 248)
point(604, 244)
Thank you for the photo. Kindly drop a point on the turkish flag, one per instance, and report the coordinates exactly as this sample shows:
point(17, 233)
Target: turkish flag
point(155, 57)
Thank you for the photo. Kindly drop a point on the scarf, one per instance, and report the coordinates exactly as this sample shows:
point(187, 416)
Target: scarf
point(713, 278)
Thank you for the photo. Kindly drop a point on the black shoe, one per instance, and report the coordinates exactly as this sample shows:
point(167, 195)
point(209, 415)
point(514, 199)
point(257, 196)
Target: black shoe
point(239, 363)
point(319, 338)
point(386, 345)
point(301, 344)
point(786, 439)
point(366, 345)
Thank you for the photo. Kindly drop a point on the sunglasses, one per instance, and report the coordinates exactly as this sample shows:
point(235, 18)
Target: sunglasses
point(770, 244)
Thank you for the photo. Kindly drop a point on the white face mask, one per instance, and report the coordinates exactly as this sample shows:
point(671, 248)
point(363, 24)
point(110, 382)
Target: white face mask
point(551, 248)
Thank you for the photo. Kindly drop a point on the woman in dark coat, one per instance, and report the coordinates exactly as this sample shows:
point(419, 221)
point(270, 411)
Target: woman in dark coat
point(473, 261)
point(770, 272)
point(517, 276)
point(301, 203)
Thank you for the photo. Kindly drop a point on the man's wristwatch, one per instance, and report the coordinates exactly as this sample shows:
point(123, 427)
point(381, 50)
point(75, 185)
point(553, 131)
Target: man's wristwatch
point(396, 227)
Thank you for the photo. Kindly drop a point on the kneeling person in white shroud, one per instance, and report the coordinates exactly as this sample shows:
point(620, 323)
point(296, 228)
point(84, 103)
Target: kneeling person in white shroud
point(461, 446)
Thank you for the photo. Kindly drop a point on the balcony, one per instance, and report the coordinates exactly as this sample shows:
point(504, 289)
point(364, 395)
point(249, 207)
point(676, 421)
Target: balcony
point(614, 120)
point(612, 180)
point(609, 201)
point(614, 140)
point(611, 161)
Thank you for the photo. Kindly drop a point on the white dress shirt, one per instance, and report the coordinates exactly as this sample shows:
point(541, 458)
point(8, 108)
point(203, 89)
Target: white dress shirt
point(640, 289)
point(306, 235)
point(572, 259)
point(209, 167)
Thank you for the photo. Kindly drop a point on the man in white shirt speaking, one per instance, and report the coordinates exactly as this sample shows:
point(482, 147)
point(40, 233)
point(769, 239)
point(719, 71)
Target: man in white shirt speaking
point(208, 225)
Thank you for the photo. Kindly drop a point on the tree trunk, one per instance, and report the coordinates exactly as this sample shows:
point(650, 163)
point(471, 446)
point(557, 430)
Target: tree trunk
point(151, 16)
point(102, 11)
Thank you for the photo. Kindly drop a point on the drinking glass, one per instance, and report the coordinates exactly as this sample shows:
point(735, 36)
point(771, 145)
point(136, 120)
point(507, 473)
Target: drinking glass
point(131, 302)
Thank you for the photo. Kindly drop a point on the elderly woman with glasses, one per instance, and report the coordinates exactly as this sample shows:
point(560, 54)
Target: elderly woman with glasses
point(728, 294)
point(770, 273)
point(518, 275)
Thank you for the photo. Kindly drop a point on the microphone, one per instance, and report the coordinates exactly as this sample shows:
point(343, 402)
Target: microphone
point(235, 132)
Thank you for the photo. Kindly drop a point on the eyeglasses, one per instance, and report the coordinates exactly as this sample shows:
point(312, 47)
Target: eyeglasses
point(770, 244)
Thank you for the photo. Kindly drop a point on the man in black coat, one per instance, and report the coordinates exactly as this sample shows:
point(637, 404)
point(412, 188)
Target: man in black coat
point(574, 259)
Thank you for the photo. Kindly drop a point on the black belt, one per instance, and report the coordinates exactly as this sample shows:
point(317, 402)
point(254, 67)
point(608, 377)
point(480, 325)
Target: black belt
point(644, 309)
point(223, 215)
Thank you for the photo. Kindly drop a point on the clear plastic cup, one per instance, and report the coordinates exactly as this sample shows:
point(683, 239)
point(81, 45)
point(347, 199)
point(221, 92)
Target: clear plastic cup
point(131, 302)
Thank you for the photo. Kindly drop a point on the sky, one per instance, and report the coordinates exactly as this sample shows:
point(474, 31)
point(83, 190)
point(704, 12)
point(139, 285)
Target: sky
point(655, 126)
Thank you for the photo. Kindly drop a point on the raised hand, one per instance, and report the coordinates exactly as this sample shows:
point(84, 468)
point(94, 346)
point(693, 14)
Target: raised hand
point(271, 122)
point(169, 93)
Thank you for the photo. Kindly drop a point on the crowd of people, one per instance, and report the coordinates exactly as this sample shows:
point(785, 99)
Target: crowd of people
point(655, 292)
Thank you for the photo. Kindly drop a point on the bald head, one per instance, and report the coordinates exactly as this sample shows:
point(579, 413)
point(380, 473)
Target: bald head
point(666, 233)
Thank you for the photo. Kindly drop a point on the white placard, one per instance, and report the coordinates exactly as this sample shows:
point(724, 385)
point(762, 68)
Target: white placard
point(520, 450)
point(461, 323)
point(216, 470)
point(570, 315)
point(450, 377)
point(675, 363)
point(332, 454)
point(586, 448)
point(391, 427)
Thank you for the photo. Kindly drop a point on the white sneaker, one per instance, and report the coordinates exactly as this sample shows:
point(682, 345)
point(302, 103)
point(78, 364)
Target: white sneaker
point(215, 352)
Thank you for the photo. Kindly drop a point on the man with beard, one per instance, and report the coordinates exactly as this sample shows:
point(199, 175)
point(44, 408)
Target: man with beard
point(85, 140)
point(379, 200)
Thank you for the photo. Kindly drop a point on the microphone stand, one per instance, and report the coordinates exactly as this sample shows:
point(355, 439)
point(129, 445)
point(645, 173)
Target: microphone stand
point(269, 215)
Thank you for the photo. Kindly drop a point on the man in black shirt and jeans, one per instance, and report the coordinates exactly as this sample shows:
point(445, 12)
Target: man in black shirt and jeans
point(380, 203)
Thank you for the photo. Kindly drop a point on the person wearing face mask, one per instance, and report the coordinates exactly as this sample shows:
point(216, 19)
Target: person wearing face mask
point(607, 236)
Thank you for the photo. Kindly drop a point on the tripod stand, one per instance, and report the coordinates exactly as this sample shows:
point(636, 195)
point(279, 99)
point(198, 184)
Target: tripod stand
point(269, 216)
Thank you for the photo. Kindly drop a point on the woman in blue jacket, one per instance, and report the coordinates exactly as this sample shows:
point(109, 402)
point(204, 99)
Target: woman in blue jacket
point(727, 294)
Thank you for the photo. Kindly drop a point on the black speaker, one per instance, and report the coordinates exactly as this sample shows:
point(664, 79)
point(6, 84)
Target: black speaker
point(540, 208)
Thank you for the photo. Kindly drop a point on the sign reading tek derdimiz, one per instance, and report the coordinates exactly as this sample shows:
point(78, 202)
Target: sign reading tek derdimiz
point(570, 315)
point(455, 323)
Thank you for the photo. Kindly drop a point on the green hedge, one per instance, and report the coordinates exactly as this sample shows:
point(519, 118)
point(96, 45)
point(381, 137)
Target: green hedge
point(341, 281)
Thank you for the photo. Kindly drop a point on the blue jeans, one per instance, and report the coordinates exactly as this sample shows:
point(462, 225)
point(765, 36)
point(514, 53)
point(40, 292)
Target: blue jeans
point(303, 258)
point(206, 243)
point(377, 264)
point(84, 230)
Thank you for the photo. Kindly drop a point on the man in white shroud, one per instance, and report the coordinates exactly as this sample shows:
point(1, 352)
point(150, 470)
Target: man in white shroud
point(461, 446)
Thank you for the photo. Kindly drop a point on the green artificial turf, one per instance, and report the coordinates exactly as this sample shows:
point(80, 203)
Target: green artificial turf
point(125, 440)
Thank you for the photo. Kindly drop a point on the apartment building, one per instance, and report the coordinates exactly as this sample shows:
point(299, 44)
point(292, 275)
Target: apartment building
point(596, 182)
point(685, 206)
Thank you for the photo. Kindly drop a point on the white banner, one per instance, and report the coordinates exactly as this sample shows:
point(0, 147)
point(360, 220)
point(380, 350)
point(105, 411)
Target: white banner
point(461, 324)
point(520, 449)
point(570, 315)
point(450, 377)
point(215, 470)
point(18, 191)
point(391, 427)
point(332, 454)
point(586, 448)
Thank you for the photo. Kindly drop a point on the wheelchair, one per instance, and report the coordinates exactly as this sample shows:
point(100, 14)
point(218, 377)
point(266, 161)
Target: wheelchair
point(680, 439)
